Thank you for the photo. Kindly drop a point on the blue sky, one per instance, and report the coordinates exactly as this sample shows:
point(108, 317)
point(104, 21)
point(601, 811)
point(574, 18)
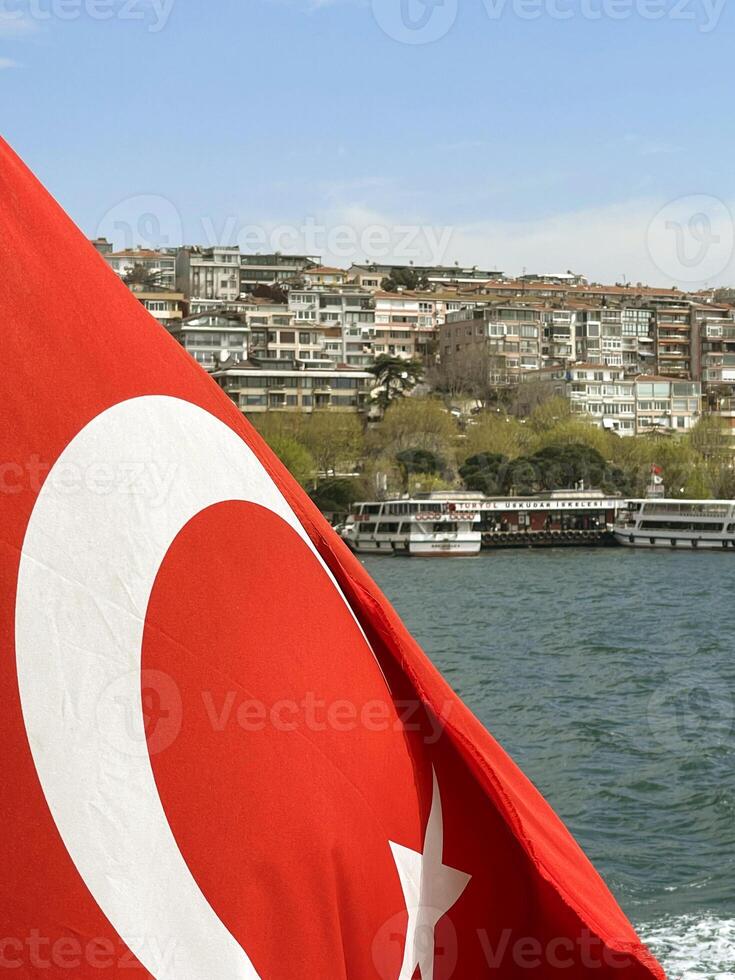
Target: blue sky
point(545, 134)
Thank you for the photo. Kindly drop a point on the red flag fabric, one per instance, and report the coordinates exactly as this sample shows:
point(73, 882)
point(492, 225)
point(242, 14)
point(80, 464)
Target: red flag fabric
point(224, 755)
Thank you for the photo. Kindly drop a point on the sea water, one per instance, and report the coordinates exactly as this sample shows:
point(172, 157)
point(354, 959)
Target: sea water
point(609, 676)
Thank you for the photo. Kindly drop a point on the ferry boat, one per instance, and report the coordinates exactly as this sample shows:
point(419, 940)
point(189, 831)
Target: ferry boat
point(662, 523)
point(557, 518)
point(431, 525)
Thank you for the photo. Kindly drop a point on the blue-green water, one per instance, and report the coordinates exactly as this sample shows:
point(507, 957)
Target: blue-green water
point(609, 676)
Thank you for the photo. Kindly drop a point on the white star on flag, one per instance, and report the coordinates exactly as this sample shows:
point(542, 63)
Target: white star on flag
point(430, 889)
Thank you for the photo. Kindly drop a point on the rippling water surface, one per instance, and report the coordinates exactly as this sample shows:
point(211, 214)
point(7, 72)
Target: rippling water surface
point(608, 674)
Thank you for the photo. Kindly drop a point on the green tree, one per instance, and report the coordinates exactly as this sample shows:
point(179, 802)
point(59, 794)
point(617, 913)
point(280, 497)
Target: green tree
point(485, 473)
point(334, 439)
point(337, 495)
point(418, 461)
point(406, 278)
point(296, 458)
point(549, 413)
point(415, 423)
point(394, 378)
point(491, 432)
point(139, 275)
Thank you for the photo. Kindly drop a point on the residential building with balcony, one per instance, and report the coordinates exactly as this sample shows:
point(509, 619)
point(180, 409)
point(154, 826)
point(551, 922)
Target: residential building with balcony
point(324, 275)
point(717, 352)
point(371, 275)
point(603, 393)
point(212, 338)
point(405, 324)
point(673, 341)
point(146, 266)
point(165, 305)
point(366, 277)
point(236, 306)
point(273, 269)
point(637, 331)
point(269, 385)
point(344, 314)
point(616, 336)
point(209, 273)
point(666, 404)
point(555, 278)
point(559, 341)
point(507, 339)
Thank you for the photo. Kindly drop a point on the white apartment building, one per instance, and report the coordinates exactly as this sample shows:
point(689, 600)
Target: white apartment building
point(667, 404)
point(633, 406)
point(283, 386)
point(405, 324)
point(155, 267)
point(346, 315)
point(599, 336)
point(324, 275)
point(717, 357)
point(164, 305)
point(560, 335)
point(277, 333)
point(212, 338)
point(603, 393)
point(268, 270)
point(209, 273)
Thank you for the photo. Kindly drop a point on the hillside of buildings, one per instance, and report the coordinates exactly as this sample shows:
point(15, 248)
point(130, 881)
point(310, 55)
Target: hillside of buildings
point(379, 378)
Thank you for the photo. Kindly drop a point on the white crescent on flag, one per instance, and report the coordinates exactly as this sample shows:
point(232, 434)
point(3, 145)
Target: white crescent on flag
point(72, 647)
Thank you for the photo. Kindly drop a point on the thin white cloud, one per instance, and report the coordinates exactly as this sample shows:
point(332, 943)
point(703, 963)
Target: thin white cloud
point(659, 149)
point(8, 63)
point(639, 240)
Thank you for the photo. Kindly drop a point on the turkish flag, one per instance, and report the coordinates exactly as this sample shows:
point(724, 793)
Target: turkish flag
point(223, 754)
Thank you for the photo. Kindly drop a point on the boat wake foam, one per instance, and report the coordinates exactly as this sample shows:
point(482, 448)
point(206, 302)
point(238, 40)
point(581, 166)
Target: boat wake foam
point(690, 947)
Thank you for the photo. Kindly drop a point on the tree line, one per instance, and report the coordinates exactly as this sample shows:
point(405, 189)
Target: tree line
point(420, 445)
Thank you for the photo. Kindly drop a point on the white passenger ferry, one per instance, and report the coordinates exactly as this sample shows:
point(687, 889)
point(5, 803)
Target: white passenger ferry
point(427, 525)
point(661, 523)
